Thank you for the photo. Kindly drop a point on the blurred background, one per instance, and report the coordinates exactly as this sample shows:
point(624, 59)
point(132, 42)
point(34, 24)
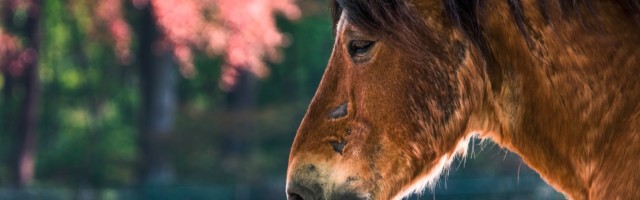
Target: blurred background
point(178, 99)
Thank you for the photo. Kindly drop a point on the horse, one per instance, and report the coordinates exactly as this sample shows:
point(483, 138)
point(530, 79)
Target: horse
point(410, 82)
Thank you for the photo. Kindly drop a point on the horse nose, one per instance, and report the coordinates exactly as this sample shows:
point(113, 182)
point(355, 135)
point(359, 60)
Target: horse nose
point(297, 191)
point(308, 183)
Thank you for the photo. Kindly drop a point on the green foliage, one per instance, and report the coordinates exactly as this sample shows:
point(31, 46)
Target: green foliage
point(305, 60)
point(87, 130)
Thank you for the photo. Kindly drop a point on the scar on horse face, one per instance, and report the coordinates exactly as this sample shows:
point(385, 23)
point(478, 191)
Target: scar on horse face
point(339, 111)
point(555, 82)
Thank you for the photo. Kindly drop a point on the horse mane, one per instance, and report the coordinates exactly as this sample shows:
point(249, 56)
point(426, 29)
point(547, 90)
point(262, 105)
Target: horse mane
point(464, 14)
point(398, 21)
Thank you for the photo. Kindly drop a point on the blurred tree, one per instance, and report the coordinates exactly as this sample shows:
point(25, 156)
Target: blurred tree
point(92, 101)
point(244, 31)
point(20, 66)
point(89, 115)
point(158, 86)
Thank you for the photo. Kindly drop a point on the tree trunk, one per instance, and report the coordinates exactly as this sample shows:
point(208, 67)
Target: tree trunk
point(158, 76)
point(23, 161)
point(242, 96)
point(241, 100)
point(240, 126)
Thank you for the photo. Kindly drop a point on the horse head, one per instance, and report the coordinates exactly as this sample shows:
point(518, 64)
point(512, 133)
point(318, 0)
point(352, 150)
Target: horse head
point(393, 106)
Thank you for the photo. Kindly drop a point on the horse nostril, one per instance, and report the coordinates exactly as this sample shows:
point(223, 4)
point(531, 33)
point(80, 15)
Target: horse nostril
point(294, 196)
point(297, 192)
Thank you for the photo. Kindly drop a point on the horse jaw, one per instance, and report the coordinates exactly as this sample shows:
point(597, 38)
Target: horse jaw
point(430, 179)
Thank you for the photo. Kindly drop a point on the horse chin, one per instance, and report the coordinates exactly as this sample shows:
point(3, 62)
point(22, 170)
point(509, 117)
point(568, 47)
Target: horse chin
point(351, 196)
point(429, 179)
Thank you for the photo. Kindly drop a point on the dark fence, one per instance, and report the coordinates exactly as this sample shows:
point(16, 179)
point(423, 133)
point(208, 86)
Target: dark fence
point(487, 173)
point(449, 188)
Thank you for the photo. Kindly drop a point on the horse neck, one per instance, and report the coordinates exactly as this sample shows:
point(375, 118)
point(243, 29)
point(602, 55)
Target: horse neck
point(559, 83)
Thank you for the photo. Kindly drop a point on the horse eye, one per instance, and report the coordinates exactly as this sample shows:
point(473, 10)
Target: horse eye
point(358, 49)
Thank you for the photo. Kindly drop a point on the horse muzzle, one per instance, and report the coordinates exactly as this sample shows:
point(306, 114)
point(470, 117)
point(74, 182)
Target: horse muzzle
point(309, 183)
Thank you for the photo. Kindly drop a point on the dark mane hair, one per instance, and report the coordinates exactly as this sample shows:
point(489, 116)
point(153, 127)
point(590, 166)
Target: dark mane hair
point(465, 14)
point(398, 21)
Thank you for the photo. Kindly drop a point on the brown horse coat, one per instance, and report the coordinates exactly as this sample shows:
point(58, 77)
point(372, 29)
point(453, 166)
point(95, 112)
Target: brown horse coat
point(409, 82)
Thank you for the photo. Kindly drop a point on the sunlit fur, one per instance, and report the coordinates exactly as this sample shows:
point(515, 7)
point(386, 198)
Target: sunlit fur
point(554, 81)
point(429, 180)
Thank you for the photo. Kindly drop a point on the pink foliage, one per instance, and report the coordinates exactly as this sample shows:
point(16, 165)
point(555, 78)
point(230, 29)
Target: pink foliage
point(22, 5)
point(13, 58)
point(243, 31)
point(109, 13)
